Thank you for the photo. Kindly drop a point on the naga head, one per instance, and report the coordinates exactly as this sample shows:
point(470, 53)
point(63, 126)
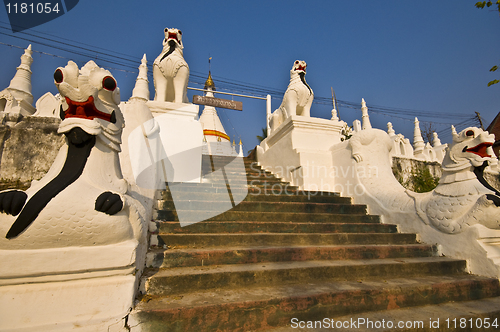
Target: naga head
point(90, 99)
point(173, 37)
point(299, 68)
point(471, 146)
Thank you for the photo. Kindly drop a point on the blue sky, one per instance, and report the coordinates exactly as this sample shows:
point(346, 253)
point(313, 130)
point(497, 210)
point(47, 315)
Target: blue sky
point(428, 56)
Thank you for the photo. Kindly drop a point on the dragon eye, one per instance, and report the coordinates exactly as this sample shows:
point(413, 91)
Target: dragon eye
point(109, 83)
point(166, 29)
point(470, 133)
point(297, 62)
point(180, 32)
point(58, 76)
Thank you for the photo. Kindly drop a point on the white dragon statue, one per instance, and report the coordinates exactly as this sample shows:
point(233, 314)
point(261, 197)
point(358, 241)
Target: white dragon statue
point(170, 70)
point(297, 99)
point(462, 197)
point(461, 215)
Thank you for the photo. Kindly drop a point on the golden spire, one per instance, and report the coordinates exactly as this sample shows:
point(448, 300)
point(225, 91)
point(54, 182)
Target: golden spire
point(209, 84)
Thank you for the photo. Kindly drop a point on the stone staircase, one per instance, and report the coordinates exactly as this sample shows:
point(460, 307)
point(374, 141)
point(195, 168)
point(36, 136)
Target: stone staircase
point(284, 259)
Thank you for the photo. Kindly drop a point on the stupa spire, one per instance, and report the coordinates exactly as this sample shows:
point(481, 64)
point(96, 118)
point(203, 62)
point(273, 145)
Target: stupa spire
point(335, 116)
point(141, 89)
point(212, 126)
point(20, 85)
point(435, 140)
point(418, 141)
point(365, 117)
point(209, 85)
point(240, 154)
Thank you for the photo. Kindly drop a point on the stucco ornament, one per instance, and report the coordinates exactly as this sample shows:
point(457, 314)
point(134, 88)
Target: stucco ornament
point(170, 70)
point(297, 99)
point(461, 199)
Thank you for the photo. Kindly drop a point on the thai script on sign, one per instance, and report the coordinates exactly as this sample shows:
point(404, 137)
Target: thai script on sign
point(217, 102)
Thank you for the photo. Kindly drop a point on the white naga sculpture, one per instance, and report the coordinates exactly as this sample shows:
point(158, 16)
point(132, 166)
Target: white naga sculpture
point(461, 199)
point(77, 224)
point(297, 99)
point(170, 70)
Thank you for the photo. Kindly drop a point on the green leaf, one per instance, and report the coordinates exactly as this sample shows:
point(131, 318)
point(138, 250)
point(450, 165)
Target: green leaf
point(480, 4)
point(493, 82)
point(494, 68)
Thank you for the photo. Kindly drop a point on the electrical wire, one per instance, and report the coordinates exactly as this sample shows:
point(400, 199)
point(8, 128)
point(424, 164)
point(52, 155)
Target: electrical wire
point(224, 84)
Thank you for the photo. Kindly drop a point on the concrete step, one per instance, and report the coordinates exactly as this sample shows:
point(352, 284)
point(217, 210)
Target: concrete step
point(263, 206)
point(172, 257)
point(478, 315)
point(269, 197)
point(258, 308)
point(273, 217)
point(255, 193)
point(245, 179)
point(279, 239)
point(277, 188)
point(173, 227)
point(193, 279)
point(268, 216)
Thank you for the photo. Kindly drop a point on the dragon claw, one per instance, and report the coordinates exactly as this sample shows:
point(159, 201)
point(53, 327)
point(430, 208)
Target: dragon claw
point(12, 202)
point(495, 199)
point(108, 203)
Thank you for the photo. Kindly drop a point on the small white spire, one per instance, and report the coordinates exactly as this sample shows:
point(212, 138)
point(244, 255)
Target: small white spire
point(241, 150)
point(390, 130)
point(435, 140)
point(20, 85)
point(141, 89)
point(335, 116)
point(454, 133)
point(365, 117)
point(418, 141)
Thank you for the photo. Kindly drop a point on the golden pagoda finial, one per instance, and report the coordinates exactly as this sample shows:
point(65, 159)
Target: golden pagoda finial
point(209, 84)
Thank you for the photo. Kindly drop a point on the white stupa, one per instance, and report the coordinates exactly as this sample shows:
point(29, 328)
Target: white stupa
point(216, 140)
point(17, 97)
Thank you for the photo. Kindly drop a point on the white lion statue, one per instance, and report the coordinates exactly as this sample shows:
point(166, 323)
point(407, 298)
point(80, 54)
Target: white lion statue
point(297, 99)
point(76, 232)
point(170, 70)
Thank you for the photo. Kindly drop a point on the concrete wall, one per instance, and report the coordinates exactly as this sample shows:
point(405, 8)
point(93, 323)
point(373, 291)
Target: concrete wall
point(402, 169)
point(28, 147)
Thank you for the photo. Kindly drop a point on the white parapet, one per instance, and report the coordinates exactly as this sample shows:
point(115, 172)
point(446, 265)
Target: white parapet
point(300, 146)
point(182, 110)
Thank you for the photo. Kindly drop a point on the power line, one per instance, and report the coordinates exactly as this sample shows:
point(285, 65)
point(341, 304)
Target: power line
point(231, 85)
